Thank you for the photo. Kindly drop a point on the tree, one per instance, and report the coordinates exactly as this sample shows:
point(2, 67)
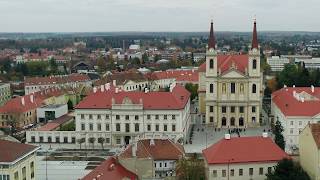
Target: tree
point(92, 140)
point(286, 169)
point(102, 67)
point(278, 137)
point(81, 141)
point(53, 66)
point(190, 169)
point(145, 58)
point(193, 89)
point(70, 104)
point(101, 141)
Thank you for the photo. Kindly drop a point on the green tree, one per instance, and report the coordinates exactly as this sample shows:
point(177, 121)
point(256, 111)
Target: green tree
point(145, 58)
point(278, 137)
point(287, 170)
point(101, 141)
point(190, 169)
point(193, 89)
point(53, 66)
point(102, 67)
point(70, 104)
point(92, 140)
point(81, 141)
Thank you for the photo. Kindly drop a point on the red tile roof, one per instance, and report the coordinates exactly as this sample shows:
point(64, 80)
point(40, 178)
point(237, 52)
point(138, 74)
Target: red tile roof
point(191, 76)
point(11, 151)
point(244, 150)
point(177, 99)
point(15, 105)
point(291, 106)
point(163, 149)
point(225, 62)
point(55, 123)
point(56, 79)
point(110, 169)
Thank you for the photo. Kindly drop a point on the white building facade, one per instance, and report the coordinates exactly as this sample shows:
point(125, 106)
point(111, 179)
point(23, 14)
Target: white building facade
point(277, 63)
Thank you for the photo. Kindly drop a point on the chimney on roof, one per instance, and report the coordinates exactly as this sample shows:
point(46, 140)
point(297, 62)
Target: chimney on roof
point(227, 136)
point(265, 135)
point(152, 143)
point(294, 86)
point(114, 82)
point(284, 86)
point(134, 148)
point(94, 90)
point(117, 90)
point(102, 88)
point(31, 98)
point(312, 88)
point(23, 102)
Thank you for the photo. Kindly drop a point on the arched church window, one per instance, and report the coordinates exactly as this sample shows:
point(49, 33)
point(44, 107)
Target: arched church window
point(211, 63)
point(254, 64)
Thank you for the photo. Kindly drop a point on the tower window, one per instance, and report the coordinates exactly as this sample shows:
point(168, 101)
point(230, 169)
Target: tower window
point(211, 63)
point(254, 88)
point(211, 88)
point(254, 64)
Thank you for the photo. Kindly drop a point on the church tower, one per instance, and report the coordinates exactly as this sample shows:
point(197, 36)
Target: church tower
point(254, 54)
point(211, 55)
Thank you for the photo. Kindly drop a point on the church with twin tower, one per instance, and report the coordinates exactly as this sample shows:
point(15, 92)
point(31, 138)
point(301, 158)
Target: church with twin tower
point(230, 86)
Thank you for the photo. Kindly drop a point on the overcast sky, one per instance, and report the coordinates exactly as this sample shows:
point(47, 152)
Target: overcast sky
point(157, 15)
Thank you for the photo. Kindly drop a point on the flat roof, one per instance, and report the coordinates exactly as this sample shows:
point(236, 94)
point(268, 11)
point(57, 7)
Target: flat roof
point(54, 124)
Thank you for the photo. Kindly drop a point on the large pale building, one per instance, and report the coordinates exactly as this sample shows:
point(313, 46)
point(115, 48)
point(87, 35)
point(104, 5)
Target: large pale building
point(230, 87)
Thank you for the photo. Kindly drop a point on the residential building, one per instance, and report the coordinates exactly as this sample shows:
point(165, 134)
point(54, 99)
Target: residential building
point(110, 169)
point(294, 108)
point(230, 87)
point(121, 116)
point(35, 84)
point(152, 158)
point(17, 161)
point(5, 93)
point(239, 158)
point(21, 111)
point(313, 63)
point(277, 63)
point(309, 148)
point(179, 76)
point(50, 112)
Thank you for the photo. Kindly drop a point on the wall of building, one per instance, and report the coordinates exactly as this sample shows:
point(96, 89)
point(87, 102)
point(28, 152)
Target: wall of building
point(5, 93)
point(309, 154)
point(143, 167)
point(245, 167)
point(59, 111)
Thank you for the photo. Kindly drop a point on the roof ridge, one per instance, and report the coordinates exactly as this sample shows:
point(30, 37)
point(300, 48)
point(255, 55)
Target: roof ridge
point(146, 149)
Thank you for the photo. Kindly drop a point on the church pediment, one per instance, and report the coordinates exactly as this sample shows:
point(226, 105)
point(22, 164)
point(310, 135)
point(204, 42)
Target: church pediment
point(233, 73)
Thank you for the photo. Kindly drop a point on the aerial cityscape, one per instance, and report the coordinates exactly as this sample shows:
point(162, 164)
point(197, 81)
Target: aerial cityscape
point(148, 94)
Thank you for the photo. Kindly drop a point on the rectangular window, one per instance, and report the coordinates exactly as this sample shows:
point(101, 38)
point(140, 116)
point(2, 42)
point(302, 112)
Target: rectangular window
point(214, 173)
point(160, 164)
point(232, 109)
point(291, 123)
point(82, 116)
point(127, 117)
point(211, 119)
point(231, 172)
point(157, 117)
point(83, 127)
point(99, 126)
point(240, 172)
point(136, 127)
point(250, 171)
point(224, 173)
point(118, 141)
point(165, 127)
point(253, 109)
point(261, 171)
point(241, 109)
point(165, 117)
point(148, 116)
point(90, 116)
point(149, 127)
point(91, 127)
point(211, 88)
point(57, 139)
point(108, 140)
point(117, 117)
point(300, 123)
point(98, 116)
point(117, 127)
point(65, 139)
point(136, 117)
point(127, 127)
point(32, 169)
point(107, 116)
point(107, 127)
point(173, 127)
point(157, 127)
point(173, 117)
point(224, 109)
point(291, 131)
point(269, 169)
point(233, 88)
point(211, 108)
